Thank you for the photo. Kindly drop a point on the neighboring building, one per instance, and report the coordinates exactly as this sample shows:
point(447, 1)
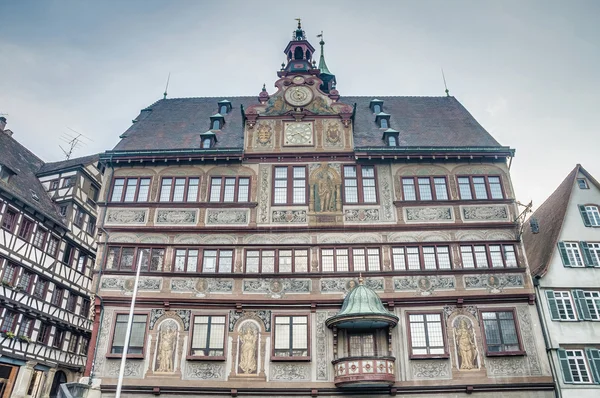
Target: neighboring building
point(563, 248)
point(47, 251)
point(252, 219)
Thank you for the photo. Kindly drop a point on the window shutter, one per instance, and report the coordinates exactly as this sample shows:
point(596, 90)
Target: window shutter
point(593, 357)
point(555, 315)
point(588, 259)
point(564, 365)
point(584, 215)
point(563, 254)
point(582, 309)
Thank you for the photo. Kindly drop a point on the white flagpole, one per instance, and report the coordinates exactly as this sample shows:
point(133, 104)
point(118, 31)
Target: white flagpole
point(128, 330)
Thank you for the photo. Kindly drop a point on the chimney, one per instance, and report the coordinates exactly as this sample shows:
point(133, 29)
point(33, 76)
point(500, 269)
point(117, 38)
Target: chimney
point(2, 123)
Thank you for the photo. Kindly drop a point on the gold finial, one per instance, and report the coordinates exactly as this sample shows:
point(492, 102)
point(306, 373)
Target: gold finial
point(360, 279)
point(299, 24)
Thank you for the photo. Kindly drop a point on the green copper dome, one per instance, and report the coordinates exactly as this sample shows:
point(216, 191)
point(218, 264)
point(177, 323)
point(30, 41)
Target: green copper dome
point(362, 309)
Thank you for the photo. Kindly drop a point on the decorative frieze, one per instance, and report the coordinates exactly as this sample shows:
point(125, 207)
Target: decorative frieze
point(321, 355)
point(227, 217)
point(361, 215)
point(276, 288)
point(485, 213)
point(428, 214)
point(176, 216)
point(427, 370)
point(263, 316)
point(290, 372)
point(344, 285)
point(264, 194)
point(133, 369)
point(125, 284)
point(183, 315)
point(288, 216)
point(424, 285)
point(494, 283)
point(204, 371)
point(202, 286)
point(116, 216)
point(384, 176)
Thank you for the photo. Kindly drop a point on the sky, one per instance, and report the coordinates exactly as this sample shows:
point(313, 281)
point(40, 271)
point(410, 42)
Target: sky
point(528, 71)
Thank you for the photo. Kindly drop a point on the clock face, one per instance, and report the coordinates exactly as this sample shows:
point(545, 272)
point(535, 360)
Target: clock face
point(298, 133)
point(298, 95)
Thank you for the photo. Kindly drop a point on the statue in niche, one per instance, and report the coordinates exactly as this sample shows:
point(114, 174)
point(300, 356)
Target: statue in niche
point(248, 349)
point(465, 345)
point(325, 186)
point(325, 191)
point(166, 347)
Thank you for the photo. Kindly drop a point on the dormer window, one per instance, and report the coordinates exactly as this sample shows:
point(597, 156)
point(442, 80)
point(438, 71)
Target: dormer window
point(208, 140)
point(383, 120)
point(224, 107)
point(390, 136)
point(383, 123)
point(376, 106)
point(217, 121)
point(206, 143)
point(5, 173)
point(392, 141)
point(216, 125)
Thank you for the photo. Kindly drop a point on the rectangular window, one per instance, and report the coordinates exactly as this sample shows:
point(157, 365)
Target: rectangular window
point(63, 210)
point(486, 256)
point(594, 252)
point(592, 301)
point(501, 336)
point(275, 261)
point(574, 366)
point(43, 333)
point(561, 305)
point(71, 302)
point(570, 253)
point(9, 274)
point(150, 259)
point(68, 254)
point(59, 337)
point(594, 215)
point(359, 185)
point(93, 193)
point(41, 286)
point(354, 259)
point(179, 189)
point(84, 311)
point(68, 182)
point(208, 336)
point(582, 182)
point(229, 189)
point(91, 226)
point(289, 185)
point(120, 258)
point(26, 229)
point(9, 220)
point(25, 281)
point(57, 296)
point(481, 187)
point(186, 260)
point(54, 184)
point(424, 188)
point(130, 190)
point(81, 262)
point(79, 216)
point(40, 237)
point(362, 344)
point(9, 324)
point(426, 334)
point(84, 343)
point(291, 337)
point(26, 328)
point(219, 261)
point(421, 258)
point(53, 246)
point(136, 338)
point(72, 343)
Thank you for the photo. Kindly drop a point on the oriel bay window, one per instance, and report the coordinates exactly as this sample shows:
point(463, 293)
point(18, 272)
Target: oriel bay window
point(132, 189)
point(208, 337)
point(289, 184)
point(483, 187)
point(424, 188)
point(426, 335)
point(486, 256)
point(500, 333)
point(229, 189)
point(359, 184)
point(136, 339)
point(362, 343)
point(291, 338)
point(217, 260)
point(281, 260)
point(421, 258)
point(350, 259)
point(179, 189)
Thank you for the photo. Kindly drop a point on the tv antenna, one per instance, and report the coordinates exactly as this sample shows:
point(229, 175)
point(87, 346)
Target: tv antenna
point(445, 85)
point(73, 141)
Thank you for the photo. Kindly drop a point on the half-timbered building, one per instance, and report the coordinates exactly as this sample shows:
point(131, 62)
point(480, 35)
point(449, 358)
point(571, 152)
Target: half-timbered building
point(305, 243)
point(47, 251)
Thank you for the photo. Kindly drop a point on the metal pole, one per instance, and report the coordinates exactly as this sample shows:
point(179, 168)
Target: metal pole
point(128, 330)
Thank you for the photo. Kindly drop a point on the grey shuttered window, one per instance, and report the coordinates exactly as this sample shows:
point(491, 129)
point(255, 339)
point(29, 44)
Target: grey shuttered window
point(593, 357)
point(588, 258)
point(563, 254)
point(553, 306)
point(564, 365)
point(585, 216)
point(583, 310)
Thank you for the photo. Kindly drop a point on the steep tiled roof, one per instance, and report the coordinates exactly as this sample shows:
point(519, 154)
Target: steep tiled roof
point(422, 121)
point(550, 215)
point(66, 164)
point(21, 185)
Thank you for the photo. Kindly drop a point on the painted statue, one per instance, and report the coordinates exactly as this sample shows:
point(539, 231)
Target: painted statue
point(248, 338)
point(168, 337)
point(467, 350)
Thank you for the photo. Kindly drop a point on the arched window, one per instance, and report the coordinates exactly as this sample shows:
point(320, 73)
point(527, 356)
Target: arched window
point(216, 124)
point(206, 143)
point(223, 110)
point(376, 108)
point(383, 123)
point(298, 53)
point(392, 141)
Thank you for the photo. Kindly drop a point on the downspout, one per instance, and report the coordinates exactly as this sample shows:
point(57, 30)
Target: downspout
point(97, 288)
point(541, 315)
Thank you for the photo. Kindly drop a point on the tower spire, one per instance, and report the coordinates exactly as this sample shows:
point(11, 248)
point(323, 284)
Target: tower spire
point(326, 75)
point(322, 65)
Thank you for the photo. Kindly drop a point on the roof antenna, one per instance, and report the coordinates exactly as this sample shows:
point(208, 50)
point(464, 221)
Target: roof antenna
point(167, 86)
point(445, 85)
point(73, 142)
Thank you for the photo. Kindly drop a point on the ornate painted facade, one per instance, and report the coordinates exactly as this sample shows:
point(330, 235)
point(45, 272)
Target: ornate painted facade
point(47, 253)
point(252, 218)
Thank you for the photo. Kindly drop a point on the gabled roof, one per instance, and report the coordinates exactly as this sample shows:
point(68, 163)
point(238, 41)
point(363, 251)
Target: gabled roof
point(551, 216)
point(25, 164)
point(67, 164)
point(175, 124)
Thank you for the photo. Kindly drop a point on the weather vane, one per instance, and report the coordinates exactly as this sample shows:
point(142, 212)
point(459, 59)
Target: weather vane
point(299, 24)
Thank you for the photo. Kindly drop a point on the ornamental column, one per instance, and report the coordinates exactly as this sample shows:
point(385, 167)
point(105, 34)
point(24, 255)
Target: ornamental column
point(23, 379)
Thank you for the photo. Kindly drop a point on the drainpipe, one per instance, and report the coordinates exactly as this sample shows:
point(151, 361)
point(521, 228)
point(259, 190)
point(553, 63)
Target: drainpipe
point(542, 316)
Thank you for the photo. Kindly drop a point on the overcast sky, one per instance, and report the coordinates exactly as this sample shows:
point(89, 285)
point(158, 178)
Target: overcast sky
point(528, 71)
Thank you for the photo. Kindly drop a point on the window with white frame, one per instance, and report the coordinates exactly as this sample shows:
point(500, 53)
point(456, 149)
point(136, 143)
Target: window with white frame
point(561, 305)
point(480, 187)
point(179, 189)
point(592, 301)
point(289, 185)
point(594, 252)
point(426, 335)
point(291, 337)
point(485, 256)
point(280, 260)
point(574, 366)
point(582, 182)
point(229, 189)
point(219, 261)
point(570, 254)
point(130, 189)
point(208, 336)
point(593, 215)
point(359, 184)
point(424, 188)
